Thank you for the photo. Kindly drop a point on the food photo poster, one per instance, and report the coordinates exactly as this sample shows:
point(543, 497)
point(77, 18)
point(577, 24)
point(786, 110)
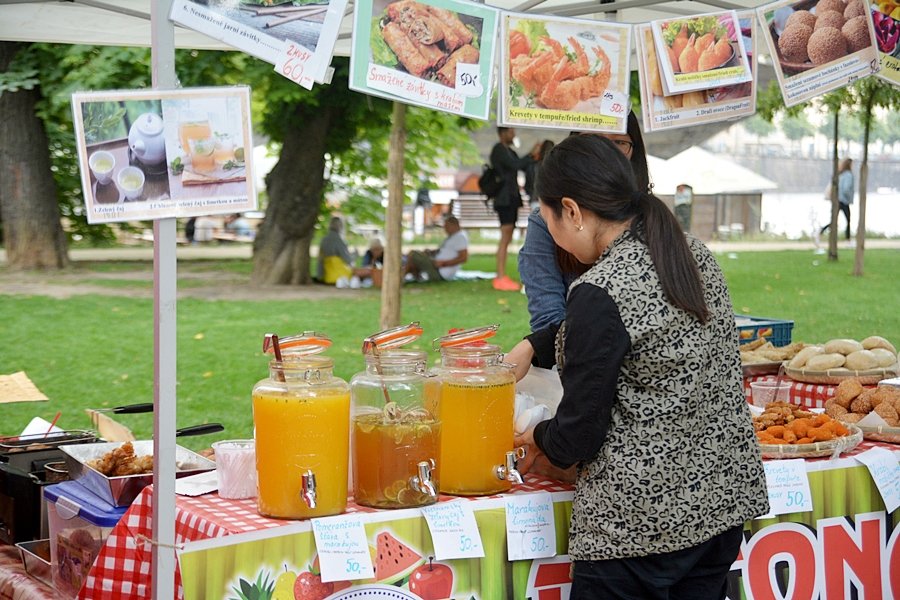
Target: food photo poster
point(437, 54)
point(720, 103)
point(818, 46)
point(886, 20)
point(267, 29)
point(155, 154)
point(701, 52)
point(563, 73)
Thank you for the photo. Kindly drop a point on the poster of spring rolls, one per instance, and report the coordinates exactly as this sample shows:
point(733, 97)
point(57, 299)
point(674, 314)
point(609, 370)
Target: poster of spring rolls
point(435, 53)
point(266, 28)
point(818, 45)
point(701, 106)
point(164, 153)
point(563, 73)
point(886, 20)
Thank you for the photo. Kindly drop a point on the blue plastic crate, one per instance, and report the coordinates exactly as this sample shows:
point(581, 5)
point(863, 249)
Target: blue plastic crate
point(774, 330)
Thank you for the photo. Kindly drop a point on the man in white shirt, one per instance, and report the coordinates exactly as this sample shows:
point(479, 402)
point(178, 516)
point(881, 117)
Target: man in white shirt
point(443, 263)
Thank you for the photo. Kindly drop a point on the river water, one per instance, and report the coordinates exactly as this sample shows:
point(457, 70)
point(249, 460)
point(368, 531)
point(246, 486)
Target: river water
point(797, 215)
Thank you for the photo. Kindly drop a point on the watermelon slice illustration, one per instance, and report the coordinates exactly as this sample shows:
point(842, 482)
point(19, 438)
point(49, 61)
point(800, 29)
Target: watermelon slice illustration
point(394, 560)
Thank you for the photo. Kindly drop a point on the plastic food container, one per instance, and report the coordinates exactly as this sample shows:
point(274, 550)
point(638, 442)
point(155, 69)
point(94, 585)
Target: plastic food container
point(36, 559)
point(776, 331)
point(79, 523)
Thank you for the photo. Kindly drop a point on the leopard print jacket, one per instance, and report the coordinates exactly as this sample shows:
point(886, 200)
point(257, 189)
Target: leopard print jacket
point(680, 463)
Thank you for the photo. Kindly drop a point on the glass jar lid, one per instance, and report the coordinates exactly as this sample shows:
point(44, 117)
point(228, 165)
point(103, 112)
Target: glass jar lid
point(465, 337)
point(390, 339)
point(308, 342)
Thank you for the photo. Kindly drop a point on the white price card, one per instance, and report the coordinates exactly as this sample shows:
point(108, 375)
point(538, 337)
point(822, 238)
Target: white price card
point(530, 527)
point(788, 486)
point(885, 471)
point(343, 549)
point(454, 531)
point(293, 63)
point(614, 104)
point(468, 80)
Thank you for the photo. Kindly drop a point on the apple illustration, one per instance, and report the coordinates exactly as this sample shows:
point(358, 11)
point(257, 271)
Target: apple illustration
point(431, 581)
point(309, 586)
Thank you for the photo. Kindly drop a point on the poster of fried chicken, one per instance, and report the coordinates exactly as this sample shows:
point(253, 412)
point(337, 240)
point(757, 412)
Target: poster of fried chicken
point(436, 53)
point(563, 73)
point(818, 45)
point(719, 103)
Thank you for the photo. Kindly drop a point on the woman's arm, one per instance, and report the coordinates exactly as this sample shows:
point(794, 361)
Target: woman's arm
point(595, 346)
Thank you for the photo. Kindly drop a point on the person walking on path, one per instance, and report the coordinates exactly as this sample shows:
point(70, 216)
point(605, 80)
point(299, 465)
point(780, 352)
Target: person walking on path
point(508, 201)
point(653, 423)
point(845, 193)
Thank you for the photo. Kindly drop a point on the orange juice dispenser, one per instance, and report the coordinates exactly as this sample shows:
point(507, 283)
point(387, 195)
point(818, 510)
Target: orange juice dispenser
point(396, 436)
point(475, 407)
point(301, 414)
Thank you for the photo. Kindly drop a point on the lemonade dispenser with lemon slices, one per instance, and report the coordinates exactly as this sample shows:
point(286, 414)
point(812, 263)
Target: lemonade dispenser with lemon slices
point(301, 415)
point(476, 408)
point(396, 435)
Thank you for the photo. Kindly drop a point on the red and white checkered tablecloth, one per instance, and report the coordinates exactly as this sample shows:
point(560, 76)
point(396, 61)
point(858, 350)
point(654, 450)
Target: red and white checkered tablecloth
point(122, 569)
point(810, 395)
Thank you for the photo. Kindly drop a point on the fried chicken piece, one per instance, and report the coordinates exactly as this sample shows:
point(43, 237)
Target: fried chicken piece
point(851, 417)
point(121, 461)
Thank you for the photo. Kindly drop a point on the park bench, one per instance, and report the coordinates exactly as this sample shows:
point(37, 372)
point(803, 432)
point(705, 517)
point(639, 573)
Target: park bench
point(474, 213)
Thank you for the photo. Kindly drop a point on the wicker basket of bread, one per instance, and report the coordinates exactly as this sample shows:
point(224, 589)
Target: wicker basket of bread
point(868, 361)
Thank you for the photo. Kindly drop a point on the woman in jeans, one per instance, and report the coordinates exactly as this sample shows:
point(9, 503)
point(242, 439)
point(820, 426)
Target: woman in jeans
point(546, 272)
point(653, 414)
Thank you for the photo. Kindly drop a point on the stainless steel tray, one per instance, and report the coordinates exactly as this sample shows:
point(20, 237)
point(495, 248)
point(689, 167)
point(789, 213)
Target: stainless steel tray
point(121, 491)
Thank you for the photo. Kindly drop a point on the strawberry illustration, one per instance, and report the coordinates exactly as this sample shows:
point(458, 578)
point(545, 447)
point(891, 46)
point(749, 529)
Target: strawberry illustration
point(309, 586)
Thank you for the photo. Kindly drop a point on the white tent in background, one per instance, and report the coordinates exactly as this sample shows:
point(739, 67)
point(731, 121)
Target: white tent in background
point(708, 175)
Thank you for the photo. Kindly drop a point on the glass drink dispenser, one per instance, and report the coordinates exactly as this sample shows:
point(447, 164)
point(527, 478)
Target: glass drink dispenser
point(396, 436)
point(476, 407)
point(301, 414)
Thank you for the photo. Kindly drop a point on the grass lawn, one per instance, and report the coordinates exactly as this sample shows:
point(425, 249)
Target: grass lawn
point(97, 351)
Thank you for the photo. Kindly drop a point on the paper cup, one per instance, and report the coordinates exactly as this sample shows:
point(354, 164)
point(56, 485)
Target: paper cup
point(236, 468)
point(764, 392)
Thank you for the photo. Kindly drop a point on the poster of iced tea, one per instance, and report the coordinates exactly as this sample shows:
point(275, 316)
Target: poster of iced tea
point(154, 154)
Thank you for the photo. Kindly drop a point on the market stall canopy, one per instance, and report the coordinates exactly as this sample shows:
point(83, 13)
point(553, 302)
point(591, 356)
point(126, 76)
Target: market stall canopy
point(127, 22)
point(706, 173)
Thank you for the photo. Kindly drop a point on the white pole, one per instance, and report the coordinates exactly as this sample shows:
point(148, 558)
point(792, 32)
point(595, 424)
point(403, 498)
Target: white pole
point(162, 36)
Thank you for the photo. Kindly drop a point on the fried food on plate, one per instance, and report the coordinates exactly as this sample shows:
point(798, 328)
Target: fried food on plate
point(122, 461)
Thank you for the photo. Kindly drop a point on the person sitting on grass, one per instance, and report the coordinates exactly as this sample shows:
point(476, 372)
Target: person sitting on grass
point(335, 261)
point(443, 263)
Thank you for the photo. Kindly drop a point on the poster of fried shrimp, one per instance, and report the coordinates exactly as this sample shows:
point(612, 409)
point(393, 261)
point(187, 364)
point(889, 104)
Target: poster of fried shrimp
point(436, 53)
point(563, 73)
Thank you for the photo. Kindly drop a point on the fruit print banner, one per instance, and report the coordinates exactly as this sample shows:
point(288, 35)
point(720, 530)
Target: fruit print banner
point(818, 46)
point(563, 73)
point(886, 19)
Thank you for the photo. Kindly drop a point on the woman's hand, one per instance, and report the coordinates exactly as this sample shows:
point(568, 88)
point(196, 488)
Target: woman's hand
point(537, 463)
point(526, 440)
point(520, 358)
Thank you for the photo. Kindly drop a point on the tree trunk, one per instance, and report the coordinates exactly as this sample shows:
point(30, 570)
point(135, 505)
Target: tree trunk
point(390, 288)
point(29, 209)
point(859, 256)
point(294, 186)
point(833, 230)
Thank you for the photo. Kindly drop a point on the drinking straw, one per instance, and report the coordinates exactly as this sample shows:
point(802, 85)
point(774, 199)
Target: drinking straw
point(53, 424)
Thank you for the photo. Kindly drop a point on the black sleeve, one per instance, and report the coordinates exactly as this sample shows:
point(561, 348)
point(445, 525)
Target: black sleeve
point(505, 159)
point(595, 347)
point(543, 341)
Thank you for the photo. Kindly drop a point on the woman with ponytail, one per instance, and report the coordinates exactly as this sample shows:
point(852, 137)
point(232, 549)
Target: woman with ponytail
point(653, 421)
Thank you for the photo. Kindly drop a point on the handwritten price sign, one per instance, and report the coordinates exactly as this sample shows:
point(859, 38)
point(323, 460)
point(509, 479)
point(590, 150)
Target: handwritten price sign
point(343, 549)
point(885, 471)
point(530, 526)
point(292, 63)
point(468, 80)
point(454, 531)
point(788, 487)
point(614, 104)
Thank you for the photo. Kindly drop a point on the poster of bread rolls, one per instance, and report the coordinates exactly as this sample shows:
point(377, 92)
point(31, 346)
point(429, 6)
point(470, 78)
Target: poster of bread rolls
point(435, 53)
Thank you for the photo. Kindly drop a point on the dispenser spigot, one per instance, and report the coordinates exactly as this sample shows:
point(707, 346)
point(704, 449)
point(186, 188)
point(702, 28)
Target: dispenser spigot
point(424, 482)
point(508, 471)
point(308, 484)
